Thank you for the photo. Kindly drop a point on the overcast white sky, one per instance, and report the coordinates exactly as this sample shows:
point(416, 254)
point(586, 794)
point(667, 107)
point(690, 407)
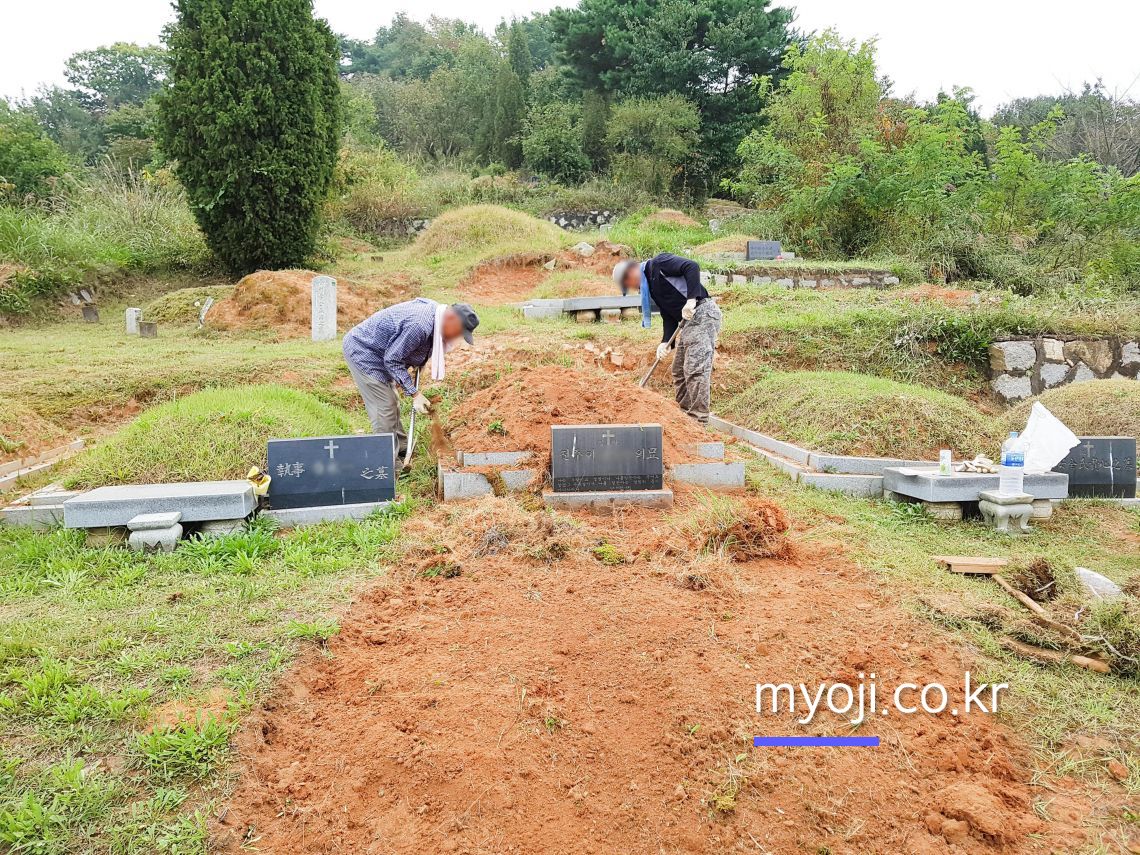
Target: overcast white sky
point(1001, 48)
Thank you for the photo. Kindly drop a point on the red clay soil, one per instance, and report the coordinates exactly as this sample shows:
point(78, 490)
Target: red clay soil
point(24, 433)
point(512, 278)
point(527, 402)
point(280, 301)
point(938, 294)
point(532, 698)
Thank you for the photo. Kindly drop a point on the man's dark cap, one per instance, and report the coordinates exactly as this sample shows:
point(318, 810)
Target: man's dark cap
point(469, 318)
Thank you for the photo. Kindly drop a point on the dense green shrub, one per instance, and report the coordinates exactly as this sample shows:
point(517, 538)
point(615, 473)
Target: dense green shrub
point(552, 142)
point(849, 172)
point(28, 159)
point(651, 139)
point(252, 115)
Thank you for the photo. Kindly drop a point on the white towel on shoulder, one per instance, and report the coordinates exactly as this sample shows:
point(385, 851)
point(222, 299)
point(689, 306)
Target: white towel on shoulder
point(439, 347)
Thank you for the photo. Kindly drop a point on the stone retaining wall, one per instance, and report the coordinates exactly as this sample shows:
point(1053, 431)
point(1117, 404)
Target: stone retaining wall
point(1020, 368)
point(582, 220)
point(802, 278)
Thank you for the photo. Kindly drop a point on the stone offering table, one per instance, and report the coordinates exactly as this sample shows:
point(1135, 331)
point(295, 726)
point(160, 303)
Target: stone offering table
point(943, 495)
point(197, 501)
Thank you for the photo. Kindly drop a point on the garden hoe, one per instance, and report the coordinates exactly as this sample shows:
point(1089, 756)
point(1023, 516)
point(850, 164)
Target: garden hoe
point(653, 367)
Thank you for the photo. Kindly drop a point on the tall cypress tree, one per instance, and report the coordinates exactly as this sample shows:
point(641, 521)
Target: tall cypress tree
point(502, 119)
point(252, 115)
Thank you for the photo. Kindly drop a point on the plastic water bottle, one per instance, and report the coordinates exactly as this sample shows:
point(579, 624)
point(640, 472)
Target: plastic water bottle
point(1011, 472)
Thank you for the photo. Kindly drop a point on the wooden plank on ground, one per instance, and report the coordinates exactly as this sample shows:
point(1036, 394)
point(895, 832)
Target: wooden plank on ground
point(972, 564)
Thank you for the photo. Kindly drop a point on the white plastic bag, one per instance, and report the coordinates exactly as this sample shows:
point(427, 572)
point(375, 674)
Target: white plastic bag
point(1048, 439)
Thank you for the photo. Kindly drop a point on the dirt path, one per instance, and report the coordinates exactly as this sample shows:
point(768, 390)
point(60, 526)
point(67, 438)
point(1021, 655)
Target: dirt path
point(537, 704)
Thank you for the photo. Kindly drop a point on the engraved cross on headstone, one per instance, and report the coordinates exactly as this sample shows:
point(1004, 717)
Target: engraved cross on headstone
point(331, 447)
point(608, 436)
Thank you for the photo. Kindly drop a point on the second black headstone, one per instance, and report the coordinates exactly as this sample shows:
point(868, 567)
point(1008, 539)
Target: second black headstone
point(1102, 466)
point(605, 458)
point(332, 470)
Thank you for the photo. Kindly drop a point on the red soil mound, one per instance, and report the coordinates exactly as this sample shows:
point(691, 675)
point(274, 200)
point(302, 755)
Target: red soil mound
point(512, 278)
point(280, 301)
point(516, 413)
point(536, 697)
point(24, 433)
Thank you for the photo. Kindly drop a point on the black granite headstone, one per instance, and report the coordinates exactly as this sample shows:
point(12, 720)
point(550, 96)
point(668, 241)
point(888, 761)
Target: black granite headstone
point(148, 329)
point(332, 470)
point(91, 314)
point(602, 458)
point(763, 250)
point(1102, 466)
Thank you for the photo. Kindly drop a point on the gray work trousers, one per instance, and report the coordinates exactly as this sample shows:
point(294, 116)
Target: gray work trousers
point(693, 361)
point(382, 403)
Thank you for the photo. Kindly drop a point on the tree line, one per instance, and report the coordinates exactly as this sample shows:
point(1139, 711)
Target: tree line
point(264, 113)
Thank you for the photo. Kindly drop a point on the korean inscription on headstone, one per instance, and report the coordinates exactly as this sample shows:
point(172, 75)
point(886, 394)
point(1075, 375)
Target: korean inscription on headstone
point(332, 470)
point(324, 308)
point(1102, 466)
point(590, 458)
point(763, 250)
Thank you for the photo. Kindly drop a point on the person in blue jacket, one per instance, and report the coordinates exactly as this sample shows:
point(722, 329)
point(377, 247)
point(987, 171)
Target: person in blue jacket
point(674, 284)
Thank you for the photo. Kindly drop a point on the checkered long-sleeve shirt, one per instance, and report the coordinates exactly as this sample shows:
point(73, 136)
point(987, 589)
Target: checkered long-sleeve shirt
point(385, 344)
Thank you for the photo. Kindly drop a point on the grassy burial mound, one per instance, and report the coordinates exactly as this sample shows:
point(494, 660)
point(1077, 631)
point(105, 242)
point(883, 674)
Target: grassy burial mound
point(182, 306)
point(1095, 408)
point(210, 435)
point(24, 433)
point(846, 413)
point(467, 236)
point(515, 414)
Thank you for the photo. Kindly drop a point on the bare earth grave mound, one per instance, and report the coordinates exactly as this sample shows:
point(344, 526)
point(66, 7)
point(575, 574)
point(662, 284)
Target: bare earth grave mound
point(530, 682)
point(513, 278)
point(515, 414)
point(280, 301)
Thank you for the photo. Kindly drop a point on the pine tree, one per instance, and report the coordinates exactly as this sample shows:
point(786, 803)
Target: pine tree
point(252, 116)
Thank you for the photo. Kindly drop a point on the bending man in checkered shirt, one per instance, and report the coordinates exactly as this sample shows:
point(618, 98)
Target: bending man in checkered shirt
point(380, 349)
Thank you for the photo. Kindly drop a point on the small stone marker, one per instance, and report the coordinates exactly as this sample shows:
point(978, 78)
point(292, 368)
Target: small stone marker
point(133, 316)
point(148, 329)
point(91, 314)
point(204, 310)
point(332, 470)
point(763, 250)
point(1102, 466)
point(324, 308)
point(588, 458)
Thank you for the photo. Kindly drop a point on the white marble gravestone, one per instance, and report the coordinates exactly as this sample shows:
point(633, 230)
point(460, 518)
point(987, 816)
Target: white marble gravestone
point(132, 317)
point(324, 308)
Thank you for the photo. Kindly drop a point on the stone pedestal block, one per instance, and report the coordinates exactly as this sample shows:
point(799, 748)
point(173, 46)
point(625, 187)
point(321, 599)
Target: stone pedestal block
point(587, 316)
point(999, 510)
point(944, 511)
point(611, 316)
point(1042, 509)
point(151, 532)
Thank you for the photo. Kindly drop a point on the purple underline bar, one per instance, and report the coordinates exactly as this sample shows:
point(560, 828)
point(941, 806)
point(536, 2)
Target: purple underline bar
point(814, 741)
